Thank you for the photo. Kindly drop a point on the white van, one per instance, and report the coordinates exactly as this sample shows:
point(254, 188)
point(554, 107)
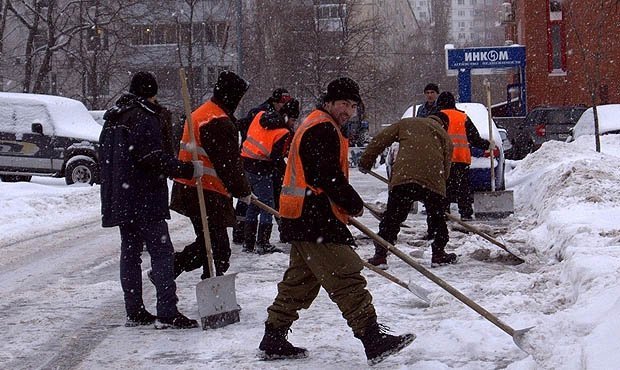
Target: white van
point(46, 135)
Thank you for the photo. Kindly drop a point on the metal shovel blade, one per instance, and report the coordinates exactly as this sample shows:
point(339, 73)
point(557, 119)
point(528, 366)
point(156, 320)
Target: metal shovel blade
point(519, 337)
point(217, 301)
point(493, 204)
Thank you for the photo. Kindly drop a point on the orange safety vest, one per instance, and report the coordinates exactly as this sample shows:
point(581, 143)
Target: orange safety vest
point(294, 187)
point(204, 115)
point(458, 134)
point(259, 142)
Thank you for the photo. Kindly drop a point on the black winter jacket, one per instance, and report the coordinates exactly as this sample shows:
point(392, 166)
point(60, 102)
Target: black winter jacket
point(134, 165)
point(320, 152)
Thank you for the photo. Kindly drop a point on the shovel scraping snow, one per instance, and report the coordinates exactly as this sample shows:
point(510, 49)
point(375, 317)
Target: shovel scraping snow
point(217, 301)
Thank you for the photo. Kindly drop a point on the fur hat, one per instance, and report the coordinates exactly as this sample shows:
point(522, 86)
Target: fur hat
point(143, 84)
point(432, 87)
point(446, 100)
point(229, 89)
point(343, 88)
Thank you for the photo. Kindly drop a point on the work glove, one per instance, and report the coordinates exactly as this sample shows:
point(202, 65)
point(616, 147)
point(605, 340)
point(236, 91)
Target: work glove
point(199, 169)
point(247, 199)
point(363, 170)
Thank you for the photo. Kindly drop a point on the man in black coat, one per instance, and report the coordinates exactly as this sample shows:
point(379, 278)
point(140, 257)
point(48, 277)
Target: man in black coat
point(134, 197)
point(218, 140)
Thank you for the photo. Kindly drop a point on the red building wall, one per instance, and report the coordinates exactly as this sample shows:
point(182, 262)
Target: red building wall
point(583, 29)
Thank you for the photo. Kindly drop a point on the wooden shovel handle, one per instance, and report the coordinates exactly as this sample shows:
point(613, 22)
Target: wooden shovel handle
point(201, 196)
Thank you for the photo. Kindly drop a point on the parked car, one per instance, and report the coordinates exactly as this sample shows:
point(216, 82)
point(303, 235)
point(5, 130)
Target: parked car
point(47, 135)
point(97, 116)
point(479, 173)
point(551, 123)
point(505, 141)
point(608, 121)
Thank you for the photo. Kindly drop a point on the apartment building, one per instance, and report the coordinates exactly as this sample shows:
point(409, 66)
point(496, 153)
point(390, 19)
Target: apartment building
point(572, 49)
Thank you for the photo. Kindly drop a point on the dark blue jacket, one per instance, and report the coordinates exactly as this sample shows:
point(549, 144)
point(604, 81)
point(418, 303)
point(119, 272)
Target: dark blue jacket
point(134, 166)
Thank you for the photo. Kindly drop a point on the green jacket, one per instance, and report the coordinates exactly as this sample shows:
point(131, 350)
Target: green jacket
point(424, 155)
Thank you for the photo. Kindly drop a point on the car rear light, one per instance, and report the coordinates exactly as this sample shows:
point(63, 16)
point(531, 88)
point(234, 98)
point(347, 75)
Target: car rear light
point(495, 152)
point(540, 130)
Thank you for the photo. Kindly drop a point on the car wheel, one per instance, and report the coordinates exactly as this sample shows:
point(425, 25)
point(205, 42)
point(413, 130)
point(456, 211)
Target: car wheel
point(81, 171)
point(15, 178)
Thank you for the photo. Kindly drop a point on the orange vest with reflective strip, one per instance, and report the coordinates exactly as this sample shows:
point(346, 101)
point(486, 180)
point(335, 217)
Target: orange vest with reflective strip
point(204, 115)
point(259, 142)
point(294, 187)
point(458, 134)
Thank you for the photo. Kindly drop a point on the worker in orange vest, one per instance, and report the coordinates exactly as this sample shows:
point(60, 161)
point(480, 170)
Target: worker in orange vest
point(316, 203)
point(218, 148)
point(274, 103)
point(463, 133)
point(263, 153)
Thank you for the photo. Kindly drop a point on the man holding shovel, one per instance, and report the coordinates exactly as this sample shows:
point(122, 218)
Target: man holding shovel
point(316, 203)
point(463, 133)
point(218, 149)
point(134, 197)
point(419, 174)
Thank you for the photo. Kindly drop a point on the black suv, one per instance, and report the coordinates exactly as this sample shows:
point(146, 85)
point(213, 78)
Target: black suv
point(551, 123)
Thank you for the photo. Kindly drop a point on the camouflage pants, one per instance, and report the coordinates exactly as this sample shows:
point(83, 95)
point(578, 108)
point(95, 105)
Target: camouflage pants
point(336, 268)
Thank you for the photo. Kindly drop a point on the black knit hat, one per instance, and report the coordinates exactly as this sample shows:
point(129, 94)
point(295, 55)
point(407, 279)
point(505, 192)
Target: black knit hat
point(446, 100)
point(229, 89)
point(143, 84)
point(280, 95)
point(343, 88)
point(432, 87)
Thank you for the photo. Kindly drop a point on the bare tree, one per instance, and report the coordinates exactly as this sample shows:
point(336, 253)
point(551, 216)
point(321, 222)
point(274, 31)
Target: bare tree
point(589, 34)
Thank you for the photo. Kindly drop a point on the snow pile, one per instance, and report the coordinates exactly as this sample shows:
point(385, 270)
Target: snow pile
point(567, 196)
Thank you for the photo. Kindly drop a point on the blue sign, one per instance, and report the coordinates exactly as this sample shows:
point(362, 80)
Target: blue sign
point(491, 57)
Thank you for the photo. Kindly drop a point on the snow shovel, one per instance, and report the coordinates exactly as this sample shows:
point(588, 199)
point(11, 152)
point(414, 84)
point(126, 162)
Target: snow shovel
point(464, 224)
point(492, 204)
point(217, 301)
point(517, 335)
point(413, 288)
point(483, 234)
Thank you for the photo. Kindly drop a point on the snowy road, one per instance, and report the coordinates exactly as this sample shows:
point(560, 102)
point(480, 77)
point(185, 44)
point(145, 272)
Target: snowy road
point(62, 304)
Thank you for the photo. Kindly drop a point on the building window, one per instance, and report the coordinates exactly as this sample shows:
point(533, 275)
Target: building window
point(556, 38)
point(330, 15)
point(460, 2)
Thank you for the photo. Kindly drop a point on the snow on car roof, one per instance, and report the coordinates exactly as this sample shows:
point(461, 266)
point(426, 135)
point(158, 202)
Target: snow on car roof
point(608, 120)
point(477, 113)
point(59, 116)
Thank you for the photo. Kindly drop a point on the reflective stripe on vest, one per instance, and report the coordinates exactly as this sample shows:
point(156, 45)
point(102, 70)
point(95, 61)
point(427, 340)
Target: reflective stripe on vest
point(204, 115)
point(259, 141)
point(295, 188)
point(458, 134)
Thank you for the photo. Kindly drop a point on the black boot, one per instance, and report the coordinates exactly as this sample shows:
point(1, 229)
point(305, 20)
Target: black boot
point(378, 344)
point(262, 242)
point(275, 346)
point(440, 257)
point(249, 236)
point(238, 232)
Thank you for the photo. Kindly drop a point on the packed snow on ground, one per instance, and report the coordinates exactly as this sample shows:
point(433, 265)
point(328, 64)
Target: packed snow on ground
point(62, 304)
